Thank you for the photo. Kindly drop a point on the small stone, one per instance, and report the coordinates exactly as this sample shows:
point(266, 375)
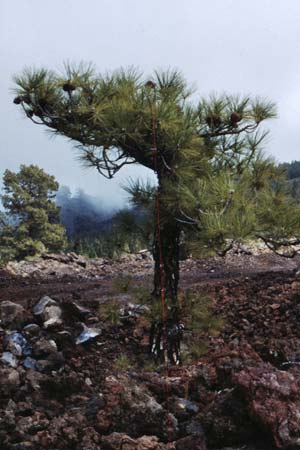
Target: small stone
point(53, 324)
point(88, 381)
point(35, 379)
point(43, 365)
point(92, 319)
point(56, 360)
point(72, 309)
point(52, 312)
point(29, 363)
point(44, 347)
point(275, 306)
point(14, 348)
point(10, 380)
point(131, 310)
point(64, 339)
point(9, 359)
point(17, 344)
point(187, 405)
point(41, 305)
point(12, 313)
point(87, 334)
point(32, 329)
point(116, 441)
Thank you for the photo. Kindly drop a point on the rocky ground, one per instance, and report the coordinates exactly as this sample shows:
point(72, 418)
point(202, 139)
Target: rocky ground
point(75, 371)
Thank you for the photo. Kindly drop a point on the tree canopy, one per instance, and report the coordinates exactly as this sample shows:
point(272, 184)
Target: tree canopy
point(110, 117)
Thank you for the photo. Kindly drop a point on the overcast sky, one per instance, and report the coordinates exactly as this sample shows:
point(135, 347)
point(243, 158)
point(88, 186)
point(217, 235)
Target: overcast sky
point(237, 46)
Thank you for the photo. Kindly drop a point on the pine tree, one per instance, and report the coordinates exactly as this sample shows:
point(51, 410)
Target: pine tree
point(33, 225)
point(201, 152)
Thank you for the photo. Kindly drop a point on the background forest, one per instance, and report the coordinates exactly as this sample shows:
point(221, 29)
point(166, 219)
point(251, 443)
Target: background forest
point(95, 231)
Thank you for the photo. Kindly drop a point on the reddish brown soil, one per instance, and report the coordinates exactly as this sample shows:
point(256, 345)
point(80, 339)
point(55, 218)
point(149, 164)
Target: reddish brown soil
point(259, 299)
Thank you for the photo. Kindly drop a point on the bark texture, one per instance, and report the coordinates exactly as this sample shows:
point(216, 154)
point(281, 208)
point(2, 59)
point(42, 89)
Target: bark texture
point(166, 331)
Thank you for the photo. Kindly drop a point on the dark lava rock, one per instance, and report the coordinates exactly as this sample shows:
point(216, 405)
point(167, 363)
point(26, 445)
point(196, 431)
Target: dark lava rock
point(55, 361)
point(74, 311)
point(44, 347)
point(10, 380)
point(44, 302)
point(195, 442)
point(12, 314)
point(32, 329)
point(273, 398)
point(130, 408)
point(227, 421)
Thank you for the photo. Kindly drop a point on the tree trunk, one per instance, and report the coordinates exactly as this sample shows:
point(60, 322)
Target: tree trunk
point(166, 331)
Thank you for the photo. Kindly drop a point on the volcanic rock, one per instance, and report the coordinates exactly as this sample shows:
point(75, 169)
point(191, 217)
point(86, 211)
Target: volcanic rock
point(75, 311)
point(55, 323)
point(32, 329)
point(87, 334)
point(17, 344)
point(44, 347)
point(132, 311)
point(10, 380)
point(273, 398)
point(55, 361)
point(9, 359)
point(44, 302)
point(12, 314)
point(128, 403)
point(34, 379)
point(195, 442)
point(116, 441)
point(52, 316)
point(29, 363)
point(226, 420)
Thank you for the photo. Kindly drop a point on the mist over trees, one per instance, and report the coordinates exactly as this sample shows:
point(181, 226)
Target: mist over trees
point(82, 214)
point(95, 231)
point(291, 169)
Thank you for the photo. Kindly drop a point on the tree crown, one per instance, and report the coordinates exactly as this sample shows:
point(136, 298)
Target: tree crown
point(112, 118)
point(33, 224)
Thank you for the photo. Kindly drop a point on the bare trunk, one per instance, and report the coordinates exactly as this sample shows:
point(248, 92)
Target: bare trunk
point(166, 332)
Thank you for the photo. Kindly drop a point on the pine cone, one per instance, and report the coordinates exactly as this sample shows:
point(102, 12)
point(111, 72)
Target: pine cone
point(68, 86)
point(150, 84)
point(17, 100)
point(235, 117)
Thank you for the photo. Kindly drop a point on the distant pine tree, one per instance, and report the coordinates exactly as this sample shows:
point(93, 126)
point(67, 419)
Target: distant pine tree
point(292, 169)
point(34, 224)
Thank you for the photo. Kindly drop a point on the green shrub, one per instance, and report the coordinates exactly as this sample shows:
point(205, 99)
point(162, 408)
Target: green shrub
point(110, 312)
point(122, 284)
point(122, 362)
